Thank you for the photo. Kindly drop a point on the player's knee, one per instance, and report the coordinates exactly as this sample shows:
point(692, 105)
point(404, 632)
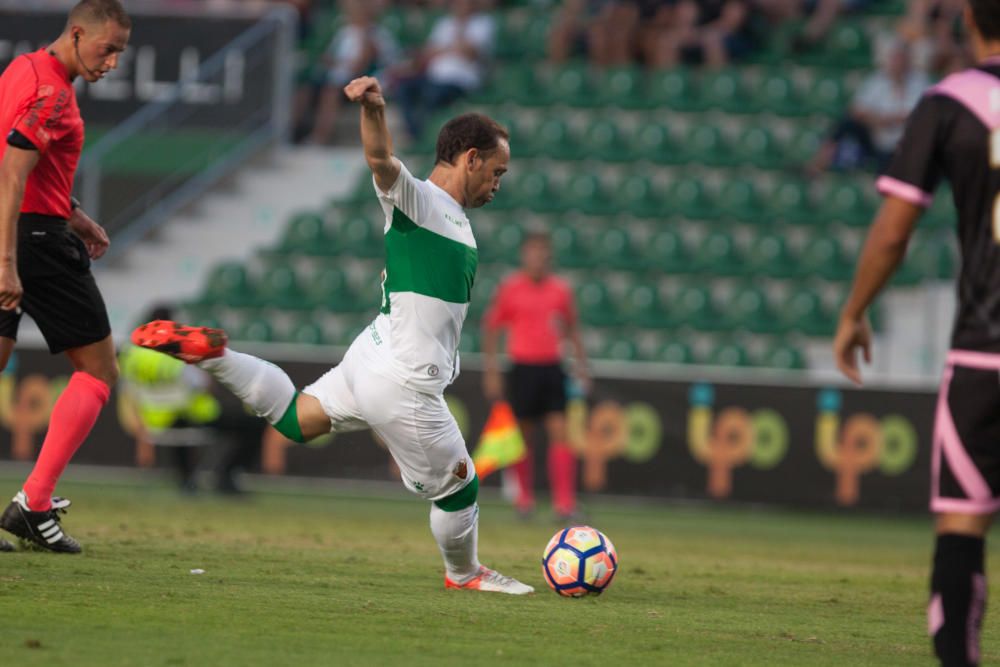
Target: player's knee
point(106, 373)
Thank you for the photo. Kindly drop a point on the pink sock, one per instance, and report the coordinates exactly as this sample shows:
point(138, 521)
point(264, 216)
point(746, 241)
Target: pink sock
point(524, 474)
point(72, 418)
point(562, 478)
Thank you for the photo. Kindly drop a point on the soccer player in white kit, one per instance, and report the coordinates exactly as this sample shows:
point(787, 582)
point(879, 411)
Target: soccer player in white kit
point(393, 376)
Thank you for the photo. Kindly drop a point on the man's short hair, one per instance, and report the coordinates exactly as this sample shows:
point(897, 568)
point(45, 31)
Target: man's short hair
point(986, 16)
point(100, 11)
point(470, 130)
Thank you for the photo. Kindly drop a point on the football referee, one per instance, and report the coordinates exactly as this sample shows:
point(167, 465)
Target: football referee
point(47, 243)
point(537, 310)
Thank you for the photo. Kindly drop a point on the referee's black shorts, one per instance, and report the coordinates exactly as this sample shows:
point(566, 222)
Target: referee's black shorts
point(60, 293)
point(535, 390)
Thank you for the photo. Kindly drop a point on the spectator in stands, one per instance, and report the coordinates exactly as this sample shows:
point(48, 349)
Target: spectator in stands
point(712, 32)
point(932, 28)
point(603, 30)
point(822, 15)
point(451, 64)
point(875, 120)
point(359, 48)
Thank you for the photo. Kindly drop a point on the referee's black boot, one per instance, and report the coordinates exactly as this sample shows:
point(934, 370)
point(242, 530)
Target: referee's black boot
point(39, 528)
point(5, 545)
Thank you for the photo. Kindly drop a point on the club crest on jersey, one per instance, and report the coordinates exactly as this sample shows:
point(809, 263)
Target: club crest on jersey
point(433, 370)
point(461, 469)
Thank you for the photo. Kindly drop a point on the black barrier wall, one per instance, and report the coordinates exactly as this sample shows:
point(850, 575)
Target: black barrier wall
point(797, 446)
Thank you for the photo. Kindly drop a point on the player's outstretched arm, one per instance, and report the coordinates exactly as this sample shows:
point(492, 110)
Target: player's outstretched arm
point(375, 136)
point(14, 171)
point(883, 250)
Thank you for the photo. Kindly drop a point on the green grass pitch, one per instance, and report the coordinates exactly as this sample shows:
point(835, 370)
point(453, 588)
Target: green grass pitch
point(344, 578)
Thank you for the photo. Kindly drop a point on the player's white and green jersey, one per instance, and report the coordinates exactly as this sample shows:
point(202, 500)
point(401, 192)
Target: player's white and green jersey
point(431, 261)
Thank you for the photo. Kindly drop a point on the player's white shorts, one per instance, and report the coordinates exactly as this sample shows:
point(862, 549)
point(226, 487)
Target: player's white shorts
point(418, 428)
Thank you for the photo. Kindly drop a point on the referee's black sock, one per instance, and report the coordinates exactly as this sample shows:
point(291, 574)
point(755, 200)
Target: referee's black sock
point(958, 599)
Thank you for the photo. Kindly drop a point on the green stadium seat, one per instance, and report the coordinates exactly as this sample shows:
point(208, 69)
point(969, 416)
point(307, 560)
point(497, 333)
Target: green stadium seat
point(674, 89)
point(748, 308)
point(585, 192)
point(847, 45)
point(790, 202)
point(729, 354)
point(514, 82)
point(717, 254)
point(614, 248)
point(306, 234)
point(596, 306)
point(666, 252)
point(307, 332)
point(824, 257)
point(637, 195)
point(279, 288)
point(757, 146)
point(643, 307)
point(655, 143)
point(622, 87)
point(228, 284)
point(705, 144)
point(782, 356)
point(738, 201)
point(801, 147)
point(675, 352)
point(469, 343)
point(330, 289)
point(503, 244)
point(724, 90)
point(621, 349)
point(570, 85)
point(555, 139)
point(532, 190)
point(776, 93)
point(693, 307)
point(255, 330)
point(569, 248)
point(827, 95)
point(804, 312)
point(769, 256)
point(687, 197)
point(927, 260)
point(604, 142)
point(848, 203)
point(941, 213)
point(359, 237)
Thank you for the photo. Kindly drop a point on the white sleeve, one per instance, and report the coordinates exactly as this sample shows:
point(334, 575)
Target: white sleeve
point(481, 33)
point(408, 194)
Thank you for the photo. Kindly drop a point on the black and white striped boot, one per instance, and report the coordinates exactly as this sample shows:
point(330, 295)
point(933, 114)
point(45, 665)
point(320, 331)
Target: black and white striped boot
point(39, 528)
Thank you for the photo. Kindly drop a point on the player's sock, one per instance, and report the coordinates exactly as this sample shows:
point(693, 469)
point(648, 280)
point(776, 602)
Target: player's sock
point(457, 535)
point(260, 384)
point(562, 478)
point(524, 476)
point(73, 416)
point(958, 599)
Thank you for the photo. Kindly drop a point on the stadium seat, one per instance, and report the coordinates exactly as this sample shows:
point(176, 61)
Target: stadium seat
point(666, 252)
point(846, 45)
point(748, 308)
point(804, 311)
point(729, 354)
point(307, 332)
point(717, 254)
point(927, 260)
point(705, 144)
point(569, 248)
point(622, 87)
point(693, 307)
point(358, 236)
point(687, 197)
point(738, 201)
point(757, 146)
point(279, 288)
point(614, 248)
point(533, 190)
point(570, 85)
point(228, 284)
point(642, 307)
point(621, 349)
point(306, 234)
point(503, 244)
point(604, 142)
point(724, 90)
point(675, 352)
point(801, 147)
point(654, 142)
point(827, 95)
point(636, 194)
point(783, 356)
point(846, 202)
point(776, 93)
point(790, 202)
point(769, 256)
point(255, 330)
point(674, 89)
point(585, 192)
point(555, 139)
point(941, 214)
point(330, 289)
point(823, 256)
point(596, 305)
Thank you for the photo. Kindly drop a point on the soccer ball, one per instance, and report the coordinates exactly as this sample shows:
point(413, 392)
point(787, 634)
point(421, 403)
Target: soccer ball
point(579, 561)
